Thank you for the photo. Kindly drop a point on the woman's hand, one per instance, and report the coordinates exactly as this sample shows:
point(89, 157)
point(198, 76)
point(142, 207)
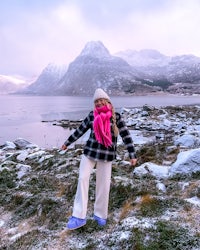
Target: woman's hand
point(64, 147)
point(133, 162)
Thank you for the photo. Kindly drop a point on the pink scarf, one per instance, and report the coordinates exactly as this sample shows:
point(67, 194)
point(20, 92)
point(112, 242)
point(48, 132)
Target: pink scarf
point(101, 125)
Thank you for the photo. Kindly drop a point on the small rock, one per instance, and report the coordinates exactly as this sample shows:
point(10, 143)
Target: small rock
point(9, 145)
point(22, 156)
point(36, 154)
point(22, 170)
point(160, 186)
point(23, 144)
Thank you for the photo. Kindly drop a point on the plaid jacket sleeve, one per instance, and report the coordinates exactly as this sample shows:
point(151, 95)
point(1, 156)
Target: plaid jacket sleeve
point(126, 137)
point(85, 125)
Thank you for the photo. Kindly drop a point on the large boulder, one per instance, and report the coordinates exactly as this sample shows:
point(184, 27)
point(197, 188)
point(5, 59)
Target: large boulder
point(187, 140)
point(149, 168)
point(187, 162)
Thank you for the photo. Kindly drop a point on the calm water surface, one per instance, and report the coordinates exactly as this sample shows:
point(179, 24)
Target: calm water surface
point(22, 116)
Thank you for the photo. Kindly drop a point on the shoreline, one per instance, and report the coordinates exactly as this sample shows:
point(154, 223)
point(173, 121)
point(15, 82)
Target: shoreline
point(31, 117)
point(144, 120)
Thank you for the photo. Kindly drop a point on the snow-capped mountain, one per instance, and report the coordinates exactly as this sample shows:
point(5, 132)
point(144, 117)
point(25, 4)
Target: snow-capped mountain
point(46, 83)
point(96, 49)
point(94, 67)
point(174, 74)
point(144, 58)
point(153, 64)
point(126, 72)
point(185, 68)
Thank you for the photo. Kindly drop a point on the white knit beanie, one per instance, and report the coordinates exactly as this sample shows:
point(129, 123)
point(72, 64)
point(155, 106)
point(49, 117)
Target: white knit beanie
point(99, 93)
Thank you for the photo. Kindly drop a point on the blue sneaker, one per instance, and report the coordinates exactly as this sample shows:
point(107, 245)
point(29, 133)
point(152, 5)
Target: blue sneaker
point(75, 223)
point(101, 222)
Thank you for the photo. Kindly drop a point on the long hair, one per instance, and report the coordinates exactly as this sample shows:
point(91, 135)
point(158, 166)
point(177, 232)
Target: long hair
point(114, 120)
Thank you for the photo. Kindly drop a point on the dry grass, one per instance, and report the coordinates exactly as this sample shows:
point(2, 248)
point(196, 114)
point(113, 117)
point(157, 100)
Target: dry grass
point(128, 206)
point(62, 190)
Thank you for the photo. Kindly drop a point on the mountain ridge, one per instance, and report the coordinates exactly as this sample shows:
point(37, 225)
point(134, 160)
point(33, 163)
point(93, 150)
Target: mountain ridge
point(129, 72)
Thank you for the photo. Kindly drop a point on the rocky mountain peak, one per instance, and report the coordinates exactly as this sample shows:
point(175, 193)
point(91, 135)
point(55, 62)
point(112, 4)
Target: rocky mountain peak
point(151, 53)
point(95, 49)
point(143, 58)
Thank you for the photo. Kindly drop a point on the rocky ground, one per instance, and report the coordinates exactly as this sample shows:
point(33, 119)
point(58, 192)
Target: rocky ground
point(155, 206)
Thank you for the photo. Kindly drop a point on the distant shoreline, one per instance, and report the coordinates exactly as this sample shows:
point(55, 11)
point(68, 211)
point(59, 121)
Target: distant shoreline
point(159, 93)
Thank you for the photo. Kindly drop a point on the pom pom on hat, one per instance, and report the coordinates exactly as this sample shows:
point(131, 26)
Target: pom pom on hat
point(99, 93)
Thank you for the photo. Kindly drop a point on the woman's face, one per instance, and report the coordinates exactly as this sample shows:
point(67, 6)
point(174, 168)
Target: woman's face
point(100, 102)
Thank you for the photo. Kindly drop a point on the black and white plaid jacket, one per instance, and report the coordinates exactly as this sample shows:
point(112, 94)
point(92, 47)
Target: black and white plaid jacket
point(97, 151)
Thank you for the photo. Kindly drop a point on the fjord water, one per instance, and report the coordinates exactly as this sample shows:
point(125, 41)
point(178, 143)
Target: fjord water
point(22, 116)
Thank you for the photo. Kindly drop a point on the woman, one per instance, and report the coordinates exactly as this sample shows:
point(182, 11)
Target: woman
point(100, 150)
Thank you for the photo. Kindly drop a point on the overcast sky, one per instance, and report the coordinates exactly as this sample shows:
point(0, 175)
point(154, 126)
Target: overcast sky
point(34, 33)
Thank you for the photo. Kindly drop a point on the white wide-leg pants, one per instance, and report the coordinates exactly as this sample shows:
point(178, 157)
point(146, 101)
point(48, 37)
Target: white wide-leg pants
point(103, 179)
